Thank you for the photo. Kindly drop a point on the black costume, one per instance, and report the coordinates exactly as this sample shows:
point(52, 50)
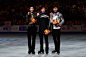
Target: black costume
point(43, 25)
point(31, 31)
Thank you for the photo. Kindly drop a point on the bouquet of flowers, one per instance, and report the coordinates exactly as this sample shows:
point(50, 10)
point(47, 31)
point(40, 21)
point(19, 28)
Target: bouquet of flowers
point(33, 20)
point(46, 32)
point(55, 21)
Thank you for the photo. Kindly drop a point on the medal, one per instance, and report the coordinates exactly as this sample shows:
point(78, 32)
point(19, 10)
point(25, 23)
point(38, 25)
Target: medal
point(37, 14)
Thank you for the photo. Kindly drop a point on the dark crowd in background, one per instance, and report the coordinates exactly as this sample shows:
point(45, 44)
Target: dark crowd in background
point(74, 12)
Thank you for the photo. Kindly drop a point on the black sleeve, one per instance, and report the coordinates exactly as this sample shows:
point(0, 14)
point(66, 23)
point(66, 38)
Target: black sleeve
point(27, 18)
point(37, 20)
point(51, 25)
point(48, 20)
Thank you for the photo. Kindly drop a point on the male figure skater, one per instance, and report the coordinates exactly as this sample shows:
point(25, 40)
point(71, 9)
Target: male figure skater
point(31, 30)
point(56, 16)
point(43, 25)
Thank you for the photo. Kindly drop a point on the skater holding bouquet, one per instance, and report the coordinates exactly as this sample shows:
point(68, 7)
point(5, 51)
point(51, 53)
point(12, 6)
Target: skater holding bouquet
point(31, 31)
point(43, 29)
point(57, 20)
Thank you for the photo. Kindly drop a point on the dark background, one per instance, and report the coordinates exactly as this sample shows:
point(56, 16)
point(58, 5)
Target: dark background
point(74, 11)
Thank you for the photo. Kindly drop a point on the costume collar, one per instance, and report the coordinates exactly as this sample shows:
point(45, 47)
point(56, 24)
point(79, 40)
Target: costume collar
point(41, 13)
point(33, 12)
point(56, 12)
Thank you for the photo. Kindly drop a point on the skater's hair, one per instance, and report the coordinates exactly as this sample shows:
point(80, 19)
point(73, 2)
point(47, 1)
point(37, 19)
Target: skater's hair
point(55, 6)
point(42, 6)
point(32, 6)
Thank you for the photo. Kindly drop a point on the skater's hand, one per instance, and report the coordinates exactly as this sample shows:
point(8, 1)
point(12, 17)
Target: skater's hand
point(49, 31)
point(58, 24)
point(31, 23)
point(51, 14)
point(28, 13)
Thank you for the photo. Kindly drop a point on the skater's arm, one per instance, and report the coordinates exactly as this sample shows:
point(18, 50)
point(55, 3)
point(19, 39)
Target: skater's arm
point(62, 19)
point(26, 17)
point(50, 20)
point(37, 19)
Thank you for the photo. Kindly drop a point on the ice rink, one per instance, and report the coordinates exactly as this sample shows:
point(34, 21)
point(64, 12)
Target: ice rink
point(15, 45)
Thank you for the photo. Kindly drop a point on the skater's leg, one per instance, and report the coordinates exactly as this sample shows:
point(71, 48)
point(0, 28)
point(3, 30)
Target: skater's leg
point(46, 43)
point(58, 40)
point(41, 41)
point(33, 40)
point(29, 40)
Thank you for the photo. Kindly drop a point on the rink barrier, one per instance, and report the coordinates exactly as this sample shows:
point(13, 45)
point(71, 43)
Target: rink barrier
point(23, 29)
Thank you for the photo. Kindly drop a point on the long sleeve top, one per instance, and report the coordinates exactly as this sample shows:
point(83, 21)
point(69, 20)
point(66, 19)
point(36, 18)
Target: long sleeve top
point(58, 16)
point(29, 17)
point(43, 21)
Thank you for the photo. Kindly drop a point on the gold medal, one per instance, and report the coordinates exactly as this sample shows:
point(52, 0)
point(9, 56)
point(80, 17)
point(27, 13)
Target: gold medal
point(37, 14)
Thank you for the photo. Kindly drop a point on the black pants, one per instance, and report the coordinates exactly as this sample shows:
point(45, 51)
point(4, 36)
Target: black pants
point(56, 38)
point(41, 33)
point(31, 32)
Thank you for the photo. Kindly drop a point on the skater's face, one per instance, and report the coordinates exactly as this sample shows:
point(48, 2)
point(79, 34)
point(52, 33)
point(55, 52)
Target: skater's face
point(31, 9)
point(43, 10)
point(55, 9)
